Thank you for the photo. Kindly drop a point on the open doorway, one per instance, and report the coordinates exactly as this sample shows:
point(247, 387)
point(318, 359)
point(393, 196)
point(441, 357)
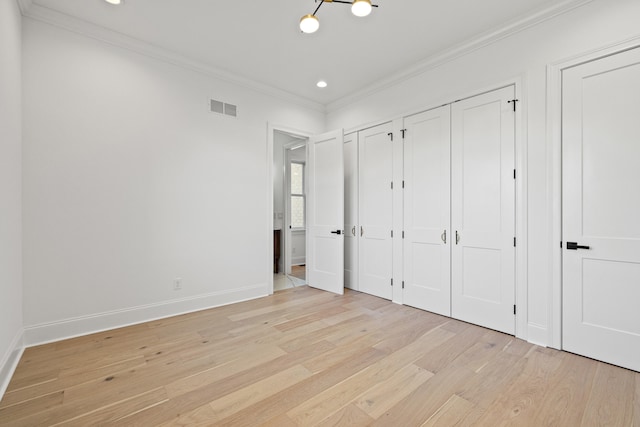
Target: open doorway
point(289, 210)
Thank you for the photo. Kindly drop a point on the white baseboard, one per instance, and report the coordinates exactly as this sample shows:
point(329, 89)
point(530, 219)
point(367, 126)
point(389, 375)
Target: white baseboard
point(10, 360)
point(69, 328)
point(299, 260)
point(538, 335)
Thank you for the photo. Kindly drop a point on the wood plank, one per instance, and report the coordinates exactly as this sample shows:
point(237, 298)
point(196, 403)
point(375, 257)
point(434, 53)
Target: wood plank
point(26, 408)
point(349, 416)
point(451, 413)
point(382, 397)
point(304, 357)
point(315, 409)
point(607, 405)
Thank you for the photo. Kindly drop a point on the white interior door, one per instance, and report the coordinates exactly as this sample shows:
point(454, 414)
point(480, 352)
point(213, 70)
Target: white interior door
point(483, 210)
point(325, 212)
point(601, 209)
point(427, 210)
point(376, 210)
point(351, 226)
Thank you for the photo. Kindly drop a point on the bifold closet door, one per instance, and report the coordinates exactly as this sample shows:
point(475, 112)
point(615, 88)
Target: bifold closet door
point(483, 210)
point(601, 209)
point(351, 226)
point(376, 210)
point(427, 255)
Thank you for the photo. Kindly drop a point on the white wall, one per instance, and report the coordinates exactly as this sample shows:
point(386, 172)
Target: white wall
point(10, 189)
point(524, 55)
point(129, 182)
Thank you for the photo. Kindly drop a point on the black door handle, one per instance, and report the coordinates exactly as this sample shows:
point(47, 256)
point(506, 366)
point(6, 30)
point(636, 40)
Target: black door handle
point(572, 246)
point(337, 232)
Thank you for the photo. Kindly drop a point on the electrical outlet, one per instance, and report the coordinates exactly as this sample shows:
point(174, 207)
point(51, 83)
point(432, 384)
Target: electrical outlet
point(177, 283)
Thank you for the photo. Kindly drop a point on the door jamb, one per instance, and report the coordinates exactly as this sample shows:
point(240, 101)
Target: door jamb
point(287, 195)
point(268, 259)
point(554, 175)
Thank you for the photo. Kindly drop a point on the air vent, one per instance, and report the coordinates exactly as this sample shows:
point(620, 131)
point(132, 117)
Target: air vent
point(217, 106)
point(220, 107)
point(230, 110)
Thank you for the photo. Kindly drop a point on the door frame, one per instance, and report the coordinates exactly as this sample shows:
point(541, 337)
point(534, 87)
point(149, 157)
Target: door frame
point(288, 239)
point(268, 259)
point(554, 175)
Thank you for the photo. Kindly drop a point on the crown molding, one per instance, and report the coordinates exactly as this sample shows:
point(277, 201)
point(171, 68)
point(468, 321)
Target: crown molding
point(49, 16)
point(25, 5)
point(457, 51)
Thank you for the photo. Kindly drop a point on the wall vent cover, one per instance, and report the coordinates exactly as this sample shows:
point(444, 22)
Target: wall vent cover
point(220, 107)
point(217, 106)
point(230, 110)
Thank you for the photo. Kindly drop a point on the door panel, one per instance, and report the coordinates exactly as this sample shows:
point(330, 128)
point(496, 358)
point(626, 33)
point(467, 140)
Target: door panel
point(601, 208)
point(376, 210)
point(325, 213)
point(427, 258)
point(351, 226)
point(483, 210)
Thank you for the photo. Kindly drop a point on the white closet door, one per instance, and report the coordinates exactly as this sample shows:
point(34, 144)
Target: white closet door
point(483, 210)
point(351, 226)
point(376, 210)
point(427, 254)
point(601, 209)
point(325, 212)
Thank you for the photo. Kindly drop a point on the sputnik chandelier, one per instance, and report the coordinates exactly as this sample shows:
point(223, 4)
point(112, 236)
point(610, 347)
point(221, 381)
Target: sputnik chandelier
point(310, 24)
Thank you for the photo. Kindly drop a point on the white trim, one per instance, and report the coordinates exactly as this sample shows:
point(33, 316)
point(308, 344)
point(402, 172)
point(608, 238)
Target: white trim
point(69, 328)
point(537, 334)
point(554, 174)
point(114, 38)
point(464, 48)
point(10, 360)
point(271, 128)
point(298, 261)
point(523, 328)
point(24, 5)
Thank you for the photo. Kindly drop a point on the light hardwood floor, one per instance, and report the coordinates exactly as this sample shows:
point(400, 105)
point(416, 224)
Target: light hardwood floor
point(303, 357)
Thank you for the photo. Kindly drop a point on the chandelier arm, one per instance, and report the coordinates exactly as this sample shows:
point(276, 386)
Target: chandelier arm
point(316, 11)
point(340, 1)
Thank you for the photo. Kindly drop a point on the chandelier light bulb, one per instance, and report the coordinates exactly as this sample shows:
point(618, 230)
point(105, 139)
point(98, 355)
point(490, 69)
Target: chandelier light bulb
point(114, 1)
point(361, 7)
point(309, 24)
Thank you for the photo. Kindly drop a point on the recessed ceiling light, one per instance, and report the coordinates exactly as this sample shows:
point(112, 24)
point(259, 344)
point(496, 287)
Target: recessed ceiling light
point(321, 84)
point(114, 1)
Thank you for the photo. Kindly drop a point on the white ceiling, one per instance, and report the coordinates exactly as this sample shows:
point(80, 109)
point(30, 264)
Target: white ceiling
point(260, 40)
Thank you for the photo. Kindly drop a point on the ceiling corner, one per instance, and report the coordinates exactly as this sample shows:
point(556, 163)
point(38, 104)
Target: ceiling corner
point(25, 5)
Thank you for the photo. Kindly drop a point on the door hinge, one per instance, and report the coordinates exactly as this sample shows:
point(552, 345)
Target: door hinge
point(403, 284)
point(390, 134)
point(403, 132)
point(392, 234)
point(392, 281)
point(513, 101)
point(392, 185)
point(514, 242)
point(514, 309)
point(560, 244)
point(403, 183)
point(514, 174)
point(403, 234)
